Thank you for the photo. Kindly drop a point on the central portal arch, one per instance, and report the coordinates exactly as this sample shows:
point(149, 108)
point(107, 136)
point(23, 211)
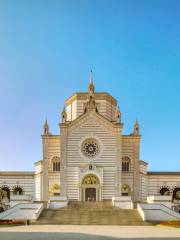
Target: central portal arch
point(90, 188)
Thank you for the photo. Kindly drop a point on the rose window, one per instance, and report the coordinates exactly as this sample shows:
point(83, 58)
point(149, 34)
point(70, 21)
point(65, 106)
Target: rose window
point(90, 147)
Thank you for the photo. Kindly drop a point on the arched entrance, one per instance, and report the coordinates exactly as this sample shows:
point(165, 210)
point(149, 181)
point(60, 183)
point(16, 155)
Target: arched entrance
point(90, 188)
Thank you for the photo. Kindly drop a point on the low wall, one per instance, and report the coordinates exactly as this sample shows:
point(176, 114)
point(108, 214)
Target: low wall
point(123, 202)
point(56, 202)
point(16, 199)
point(157, 212)
point(23, 211)
point(160, 199)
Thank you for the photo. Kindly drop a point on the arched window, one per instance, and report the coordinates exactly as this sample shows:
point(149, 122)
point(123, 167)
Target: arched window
point(17, 190)
point(56, 164)
point(125, 164)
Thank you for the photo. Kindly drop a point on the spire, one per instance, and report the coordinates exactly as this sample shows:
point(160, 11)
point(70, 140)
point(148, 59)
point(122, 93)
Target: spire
point(118, 114)
point(64, 115)
point(136, 128)
point(46, 128)
point(91, 84)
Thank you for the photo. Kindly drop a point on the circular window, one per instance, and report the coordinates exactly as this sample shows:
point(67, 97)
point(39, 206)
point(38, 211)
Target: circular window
point(90, 147)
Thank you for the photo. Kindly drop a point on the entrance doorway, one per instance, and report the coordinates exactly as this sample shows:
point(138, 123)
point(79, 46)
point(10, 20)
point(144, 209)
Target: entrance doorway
point(90, 188)
point(90, 194)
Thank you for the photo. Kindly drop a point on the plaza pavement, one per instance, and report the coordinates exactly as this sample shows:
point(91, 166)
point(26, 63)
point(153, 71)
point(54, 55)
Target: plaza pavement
point(87, 232)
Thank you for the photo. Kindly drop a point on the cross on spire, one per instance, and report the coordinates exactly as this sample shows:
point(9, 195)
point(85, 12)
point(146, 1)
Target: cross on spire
point(91, 76)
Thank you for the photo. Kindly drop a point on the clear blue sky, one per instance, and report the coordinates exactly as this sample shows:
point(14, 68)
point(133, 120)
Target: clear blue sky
point(47, 49)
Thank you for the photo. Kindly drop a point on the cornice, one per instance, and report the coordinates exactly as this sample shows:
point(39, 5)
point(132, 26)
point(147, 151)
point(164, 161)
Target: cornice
point(14, 173)
point(38, 162)
point(163, 173)
point(131, 137)
point(143, 162)
point(97, 95)
point(50, 136)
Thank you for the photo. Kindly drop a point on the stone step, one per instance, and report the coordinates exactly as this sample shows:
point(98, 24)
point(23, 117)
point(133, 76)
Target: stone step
point(92, 213)
point(89, 205)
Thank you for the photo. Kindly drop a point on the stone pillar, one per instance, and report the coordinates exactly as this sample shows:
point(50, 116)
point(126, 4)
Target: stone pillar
point(63, 141)
point(118, 177)
point(45, 185)
point(136, 182)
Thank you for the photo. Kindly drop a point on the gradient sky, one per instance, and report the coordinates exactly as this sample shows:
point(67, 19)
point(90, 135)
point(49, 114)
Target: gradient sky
point(47, 49)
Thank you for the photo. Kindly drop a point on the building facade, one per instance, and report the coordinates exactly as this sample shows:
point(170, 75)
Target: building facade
point(91, 159)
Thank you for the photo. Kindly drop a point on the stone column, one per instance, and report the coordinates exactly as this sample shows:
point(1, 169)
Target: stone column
point(136, 182)
point(118, 128)
point(63, 154)
point(45, 185)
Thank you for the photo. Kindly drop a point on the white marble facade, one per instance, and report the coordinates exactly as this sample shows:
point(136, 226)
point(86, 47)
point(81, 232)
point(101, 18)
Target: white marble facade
point(91, 159)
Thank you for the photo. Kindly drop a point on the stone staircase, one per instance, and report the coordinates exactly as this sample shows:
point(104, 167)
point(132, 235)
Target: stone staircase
point(90, 213)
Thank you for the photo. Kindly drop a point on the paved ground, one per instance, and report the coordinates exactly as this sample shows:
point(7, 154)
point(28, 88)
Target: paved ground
point(76, 232)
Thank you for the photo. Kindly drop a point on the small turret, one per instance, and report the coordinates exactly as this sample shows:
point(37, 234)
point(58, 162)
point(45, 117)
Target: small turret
point(136, 128)
point(46, 128)
point(64, 115)
point(118, 114)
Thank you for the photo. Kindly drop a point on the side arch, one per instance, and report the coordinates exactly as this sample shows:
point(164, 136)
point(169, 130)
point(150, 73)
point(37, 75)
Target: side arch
point(6, 192)
point(176, 194)
point(164, 190)
point(17, 190)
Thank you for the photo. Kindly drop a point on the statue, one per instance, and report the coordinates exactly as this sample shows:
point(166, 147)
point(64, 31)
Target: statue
point(91, 104)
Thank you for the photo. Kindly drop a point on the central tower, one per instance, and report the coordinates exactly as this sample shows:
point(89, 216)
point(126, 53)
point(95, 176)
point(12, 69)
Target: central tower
point(91, 147)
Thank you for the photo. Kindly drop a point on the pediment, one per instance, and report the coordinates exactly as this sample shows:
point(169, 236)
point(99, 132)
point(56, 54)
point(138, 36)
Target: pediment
point(92, 117)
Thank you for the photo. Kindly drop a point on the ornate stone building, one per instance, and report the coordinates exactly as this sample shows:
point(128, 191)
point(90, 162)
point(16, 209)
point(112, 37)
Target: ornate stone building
point(91, 159)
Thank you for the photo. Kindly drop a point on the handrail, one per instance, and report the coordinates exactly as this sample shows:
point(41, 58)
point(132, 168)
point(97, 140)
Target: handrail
point(171, 211)
point(167, 207)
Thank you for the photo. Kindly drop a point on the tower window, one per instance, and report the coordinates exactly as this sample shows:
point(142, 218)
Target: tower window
point(56, 164)
point(125, 164)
